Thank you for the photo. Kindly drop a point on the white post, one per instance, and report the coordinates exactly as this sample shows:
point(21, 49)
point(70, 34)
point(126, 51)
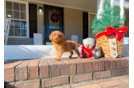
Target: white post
point(100, 10)
point(122, 9)
point(112, 3)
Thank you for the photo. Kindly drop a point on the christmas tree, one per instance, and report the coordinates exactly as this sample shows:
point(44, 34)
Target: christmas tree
point(109, 17)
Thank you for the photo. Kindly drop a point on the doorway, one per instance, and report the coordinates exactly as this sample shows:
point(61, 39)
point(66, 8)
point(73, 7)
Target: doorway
point(53, 20)
point(85, 25)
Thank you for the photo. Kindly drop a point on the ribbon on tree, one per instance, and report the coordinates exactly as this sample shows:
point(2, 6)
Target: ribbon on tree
point(89, 51)
point(110, 31)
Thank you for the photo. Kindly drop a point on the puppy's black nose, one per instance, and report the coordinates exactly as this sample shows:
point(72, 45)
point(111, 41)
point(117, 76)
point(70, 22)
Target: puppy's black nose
point(56, 38)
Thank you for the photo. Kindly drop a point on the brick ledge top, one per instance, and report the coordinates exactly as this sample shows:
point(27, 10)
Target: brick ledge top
point(10, 62)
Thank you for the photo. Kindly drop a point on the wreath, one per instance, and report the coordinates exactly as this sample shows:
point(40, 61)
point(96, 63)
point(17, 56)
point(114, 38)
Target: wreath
point(54, 17)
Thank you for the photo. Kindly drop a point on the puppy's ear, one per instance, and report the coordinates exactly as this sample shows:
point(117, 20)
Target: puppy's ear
point(62, 36)
point(51, 36)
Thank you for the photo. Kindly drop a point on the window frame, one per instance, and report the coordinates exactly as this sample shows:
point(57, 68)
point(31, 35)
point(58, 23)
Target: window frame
point(27, 16)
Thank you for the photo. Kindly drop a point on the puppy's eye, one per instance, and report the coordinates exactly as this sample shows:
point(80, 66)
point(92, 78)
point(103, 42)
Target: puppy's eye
point(59, 36)
point(54, 35)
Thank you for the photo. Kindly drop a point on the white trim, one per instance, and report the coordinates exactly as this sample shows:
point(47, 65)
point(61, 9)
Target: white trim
point(27, 16)
point(89, 13)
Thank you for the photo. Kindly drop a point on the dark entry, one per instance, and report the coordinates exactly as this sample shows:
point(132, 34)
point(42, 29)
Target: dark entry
point(85, 25)
point(32, 19)
point(53, 17)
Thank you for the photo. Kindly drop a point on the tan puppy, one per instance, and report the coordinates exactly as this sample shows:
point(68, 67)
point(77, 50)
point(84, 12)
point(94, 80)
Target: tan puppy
point(62, 46)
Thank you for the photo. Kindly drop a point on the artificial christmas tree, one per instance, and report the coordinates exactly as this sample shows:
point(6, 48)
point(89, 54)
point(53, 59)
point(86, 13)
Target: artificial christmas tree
point(108, 30)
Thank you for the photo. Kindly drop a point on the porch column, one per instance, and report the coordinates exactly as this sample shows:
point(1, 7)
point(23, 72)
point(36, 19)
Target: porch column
point(121, 10)
point(100, 8)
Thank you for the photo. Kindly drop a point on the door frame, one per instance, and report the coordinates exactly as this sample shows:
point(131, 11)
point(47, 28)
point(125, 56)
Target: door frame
point(89, 13)
point(62, 13)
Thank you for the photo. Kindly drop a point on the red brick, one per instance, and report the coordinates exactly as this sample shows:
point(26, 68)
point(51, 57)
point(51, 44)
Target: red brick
point(73, 85)
point(110, 83)
point(127, 70)
point(9, 69)
point(54, 71)
point(87, 65)
point(125, 63)
point(10, 85)
point(55, 81)
point(33, 69)
point(44, 69)
point(28, 84)
point(80, 77)
point(71, 66)
point(126, 86)
point(113, 64)
point(102, 80)
point(118, 72)
point(80, 67)
point(90, 86)
point(21, 70)
point(118, 87)
point(95, 66)
point(119, 64)
point(101, 66)
point(121, 77)
point(63, 86)
point(125, 80)
point(102, 74)
point(63, 68)
point(107, 65)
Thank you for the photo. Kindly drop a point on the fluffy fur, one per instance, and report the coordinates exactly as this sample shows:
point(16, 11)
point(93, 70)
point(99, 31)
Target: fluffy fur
point(62, 46)
point(89, 43)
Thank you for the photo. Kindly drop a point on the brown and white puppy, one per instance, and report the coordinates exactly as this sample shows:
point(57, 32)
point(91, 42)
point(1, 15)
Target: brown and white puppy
point(62, 46)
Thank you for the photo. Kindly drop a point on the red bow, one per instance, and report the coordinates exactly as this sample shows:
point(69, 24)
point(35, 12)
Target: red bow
point(89, 51)
point(55, 17)
point(109, 31)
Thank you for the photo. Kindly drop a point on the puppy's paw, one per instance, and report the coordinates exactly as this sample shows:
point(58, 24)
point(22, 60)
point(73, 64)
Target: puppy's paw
point(56, 59)
point(70, 57)
point(92, 58)
point(78, 57)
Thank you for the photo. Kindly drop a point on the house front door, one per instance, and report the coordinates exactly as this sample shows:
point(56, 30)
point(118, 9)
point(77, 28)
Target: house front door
point(53, 17)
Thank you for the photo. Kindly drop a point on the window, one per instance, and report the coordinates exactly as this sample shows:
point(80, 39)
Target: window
point(18, 13)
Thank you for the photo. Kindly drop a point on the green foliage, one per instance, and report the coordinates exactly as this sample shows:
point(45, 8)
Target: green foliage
point(108, 19)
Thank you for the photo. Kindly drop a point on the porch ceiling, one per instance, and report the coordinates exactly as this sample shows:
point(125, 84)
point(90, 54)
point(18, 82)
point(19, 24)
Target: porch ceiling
point(85, 5)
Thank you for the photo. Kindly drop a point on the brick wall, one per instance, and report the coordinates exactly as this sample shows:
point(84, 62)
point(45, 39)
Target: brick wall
point(47, 72)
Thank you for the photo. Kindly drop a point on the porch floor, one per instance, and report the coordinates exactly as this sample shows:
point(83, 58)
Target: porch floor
point(66, 73)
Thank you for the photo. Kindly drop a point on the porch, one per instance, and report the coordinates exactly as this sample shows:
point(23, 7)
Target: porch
point(34, 21)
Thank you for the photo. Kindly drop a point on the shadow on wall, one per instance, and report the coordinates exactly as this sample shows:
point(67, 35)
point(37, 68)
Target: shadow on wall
point(12, 61)
point(7, 85)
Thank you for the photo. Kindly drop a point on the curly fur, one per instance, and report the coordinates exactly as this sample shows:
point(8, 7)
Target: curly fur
point(62, 46)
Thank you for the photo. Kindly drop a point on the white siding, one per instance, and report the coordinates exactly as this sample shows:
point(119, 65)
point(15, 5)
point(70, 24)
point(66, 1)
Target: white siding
point(40, 21)
point(73, 23)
